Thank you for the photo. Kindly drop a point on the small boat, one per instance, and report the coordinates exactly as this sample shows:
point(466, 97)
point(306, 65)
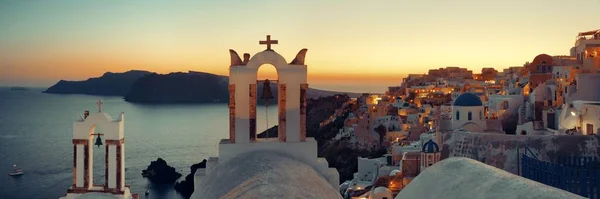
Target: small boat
point(16, 171)
point(147, 192)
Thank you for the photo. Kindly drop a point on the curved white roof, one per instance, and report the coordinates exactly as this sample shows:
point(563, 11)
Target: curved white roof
point(266, 174)
point(459, 177)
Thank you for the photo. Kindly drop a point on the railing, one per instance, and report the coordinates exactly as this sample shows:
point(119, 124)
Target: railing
point(578, 175)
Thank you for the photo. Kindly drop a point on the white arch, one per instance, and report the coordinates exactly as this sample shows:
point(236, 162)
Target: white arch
point(267, 57)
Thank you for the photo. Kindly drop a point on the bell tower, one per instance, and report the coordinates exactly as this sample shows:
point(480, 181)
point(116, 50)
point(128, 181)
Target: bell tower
point(291, 99)
point(84, 139)
point(291, 103)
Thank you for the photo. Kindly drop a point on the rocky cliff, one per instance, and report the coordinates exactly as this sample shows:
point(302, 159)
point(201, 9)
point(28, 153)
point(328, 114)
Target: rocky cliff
point(117, 84)
point(147, 87)
point(339, 153)
point(192, 87)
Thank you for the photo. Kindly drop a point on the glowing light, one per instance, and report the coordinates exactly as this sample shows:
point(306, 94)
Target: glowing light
point(573, 113)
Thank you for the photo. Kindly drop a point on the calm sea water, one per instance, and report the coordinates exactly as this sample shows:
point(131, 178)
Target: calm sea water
point(36, 132)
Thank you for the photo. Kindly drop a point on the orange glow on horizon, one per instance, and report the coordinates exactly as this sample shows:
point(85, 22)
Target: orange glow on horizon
point(350, 43)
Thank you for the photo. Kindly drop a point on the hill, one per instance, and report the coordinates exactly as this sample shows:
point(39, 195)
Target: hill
point(172, 88)
point(192, 87)
point(115, 84)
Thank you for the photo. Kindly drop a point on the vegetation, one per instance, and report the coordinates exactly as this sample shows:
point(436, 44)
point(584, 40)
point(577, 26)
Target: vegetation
point(381, 131)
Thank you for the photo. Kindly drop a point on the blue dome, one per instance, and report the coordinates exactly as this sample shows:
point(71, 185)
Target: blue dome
point(430, 147)
point(468, 99)
point(398, 98)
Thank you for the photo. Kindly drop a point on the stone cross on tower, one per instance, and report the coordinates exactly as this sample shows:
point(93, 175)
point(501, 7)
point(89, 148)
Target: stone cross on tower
point(99, 105)
point(268, 42)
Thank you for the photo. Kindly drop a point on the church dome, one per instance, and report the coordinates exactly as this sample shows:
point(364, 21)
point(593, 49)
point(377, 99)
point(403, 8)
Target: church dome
point(430, 147)
point(382, 192)
point(468, 99)
point(266, 174)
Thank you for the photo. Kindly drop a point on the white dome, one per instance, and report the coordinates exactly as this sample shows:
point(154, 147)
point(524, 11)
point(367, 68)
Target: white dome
point(394, 172)
point(266, 174)
point(381, 192)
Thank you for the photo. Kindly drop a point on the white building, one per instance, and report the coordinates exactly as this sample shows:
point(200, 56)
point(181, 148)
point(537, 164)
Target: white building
point(498, 104)
point(468, 113)
point(586, 82)
point(581, 115)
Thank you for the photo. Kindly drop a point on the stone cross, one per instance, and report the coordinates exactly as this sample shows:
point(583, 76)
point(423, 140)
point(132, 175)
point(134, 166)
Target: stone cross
point(268, 42)
point(99, 105)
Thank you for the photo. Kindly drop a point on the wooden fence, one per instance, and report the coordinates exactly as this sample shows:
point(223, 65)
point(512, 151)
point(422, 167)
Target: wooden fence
point(579, 175)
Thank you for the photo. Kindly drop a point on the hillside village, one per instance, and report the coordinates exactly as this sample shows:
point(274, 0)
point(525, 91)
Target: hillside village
point(547, 111)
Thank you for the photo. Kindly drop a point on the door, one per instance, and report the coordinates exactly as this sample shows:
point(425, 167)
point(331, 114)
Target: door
point(551, 118)
point(589, 130)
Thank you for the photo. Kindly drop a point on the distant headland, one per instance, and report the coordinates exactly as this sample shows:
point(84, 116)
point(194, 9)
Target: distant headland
point(139, 86)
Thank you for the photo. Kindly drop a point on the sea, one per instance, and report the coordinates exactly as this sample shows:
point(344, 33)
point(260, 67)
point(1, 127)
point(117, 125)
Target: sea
point(36, 131)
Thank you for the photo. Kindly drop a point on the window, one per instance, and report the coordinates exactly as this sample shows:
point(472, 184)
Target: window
point(457, 115)
point(470, 116)
point(566, 90)
point(480, 116)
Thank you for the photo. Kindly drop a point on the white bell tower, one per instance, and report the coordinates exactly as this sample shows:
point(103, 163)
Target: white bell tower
point(291, 100)
point(84, 135)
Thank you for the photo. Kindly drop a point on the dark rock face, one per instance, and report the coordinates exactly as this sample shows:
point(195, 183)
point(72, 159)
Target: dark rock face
point(159, 172)
point(339, 154)
point(269, 133)
point(146, 87)
point(317, 111)
point(115, 84)
point(192, 87)
point(186, 187)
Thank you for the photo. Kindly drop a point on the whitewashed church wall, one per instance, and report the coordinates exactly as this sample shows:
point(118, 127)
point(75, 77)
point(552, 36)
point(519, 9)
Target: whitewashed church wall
point(80, 161)
point(112, 166)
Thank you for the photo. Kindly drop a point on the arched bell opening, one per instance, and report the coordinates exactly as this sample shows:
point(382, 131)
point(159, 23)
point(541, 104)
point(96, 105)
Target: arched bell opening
point(99, 152)
point(267, 95)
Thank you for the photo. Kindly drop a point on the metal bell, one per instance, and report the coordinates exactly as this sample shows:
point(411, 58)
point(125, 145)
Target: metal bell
point(267, 94)
point(98, 141)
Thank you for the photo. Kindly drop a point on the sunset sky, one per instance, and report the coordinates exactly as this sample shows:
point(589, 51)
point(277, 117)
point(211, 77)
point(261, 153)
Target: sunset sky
point(353, 45)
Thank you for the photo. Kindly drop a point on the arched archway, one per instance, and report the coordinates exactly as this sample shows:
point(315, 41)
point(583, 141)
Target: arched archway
point(98, 155)
point(266, 95)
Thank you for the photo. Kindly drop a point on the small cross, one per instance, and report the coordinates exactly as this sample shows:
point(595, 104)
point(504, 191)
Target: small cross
point(99, 105)
point(268, 42)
